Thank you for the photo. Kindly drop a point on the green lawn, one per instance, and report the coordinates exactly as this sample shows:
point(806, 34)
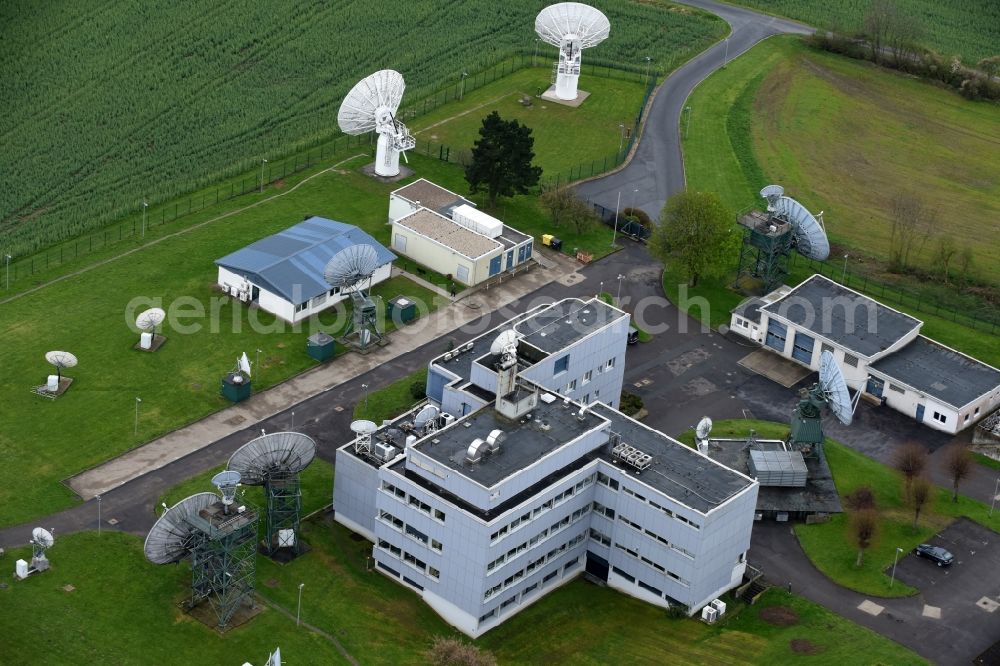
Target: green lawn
point(378, 621)
point(593, 127)
point(316, 484)
point(391, 400)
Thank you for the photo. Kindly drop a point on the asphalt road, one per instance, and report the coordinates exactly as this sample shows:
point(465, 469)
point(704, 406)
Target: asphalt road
point(657, 167)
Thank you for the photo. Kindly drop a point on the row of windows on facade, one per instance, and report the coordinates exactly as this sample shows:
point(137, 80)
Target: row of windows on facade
point(318, 300)
point(414, 501)
point(541, 537)
point(613, 485)
point(587, 376)
point(528, 590)
point(610, 513)
point(528, 516)
point(646, 586)
point(410, 531)
point(533, 565)
point(409, 558)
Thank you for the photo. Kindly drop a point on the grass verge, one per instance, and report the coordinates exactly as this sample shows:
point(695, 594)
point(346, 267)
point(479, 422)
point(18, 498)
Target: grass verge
point(391, 400)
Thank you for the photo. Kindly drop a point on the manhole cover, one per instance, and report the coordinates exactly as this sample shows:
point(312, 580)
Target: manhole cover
point(68, 588)
point(338, 408)
point(112, 521)
point(236, 420)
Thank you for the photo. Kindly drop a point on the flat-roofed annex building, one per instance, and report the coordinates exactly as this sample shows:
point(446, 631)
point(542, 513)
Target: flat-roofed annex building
point(446, 233)
point(283, 273)
point(880, 350)
point(487, 512)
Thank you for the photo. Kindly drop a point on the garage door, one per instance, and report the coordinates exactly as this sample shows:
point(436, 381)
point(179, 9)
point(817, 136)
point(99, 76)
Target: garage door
point(776, 335)
point(802, 349)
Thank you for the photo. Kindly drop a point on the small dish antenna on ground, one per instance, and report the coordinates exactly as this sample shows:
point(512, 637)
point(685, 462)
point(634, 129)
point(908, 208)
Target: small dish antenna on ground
point(274, 461)
point(227, 482)
point(371, 105)
point(172, 537)
point(60, 359)
point(243, 364)
point(41, 540)
point(150, 319)
point(350, 269)
point(364, 431)
point(572, 26)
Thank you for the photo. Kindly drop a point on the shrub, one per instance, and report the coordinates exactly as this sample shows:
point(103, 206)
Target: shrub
point(454, 652)
point(630, 404)
point(418, 390)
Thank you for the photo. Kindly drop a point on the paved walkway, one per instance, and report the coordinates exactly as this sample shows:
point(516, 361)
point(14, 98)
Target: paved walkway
point(260, 406)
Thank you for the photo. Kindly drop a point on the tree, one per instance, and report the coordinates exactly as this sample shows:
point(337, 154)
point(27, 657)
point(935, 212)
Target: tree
point(879, 24)
point(501, 159)
point(696, 230)
point(963, 263)
point(911, 224)
point(864, 525)
point(958, 462)
point(944, 254)
point(453, 652)
point(910, 460)
point(564, 205)
point(920, 492)
point(991, 66)
point(862, 498)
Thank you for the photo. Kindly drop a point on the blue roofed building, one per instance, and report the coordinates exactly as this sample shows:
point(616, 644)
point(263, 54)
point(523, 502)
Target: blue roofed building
point(283, 273)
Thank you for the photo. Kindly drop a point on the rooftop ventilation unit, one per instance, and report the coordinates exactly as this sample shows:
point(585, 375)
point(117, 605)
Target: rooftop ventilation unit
point(494, 439)
point(631, 456)
point(476, 450)
point(385, 451)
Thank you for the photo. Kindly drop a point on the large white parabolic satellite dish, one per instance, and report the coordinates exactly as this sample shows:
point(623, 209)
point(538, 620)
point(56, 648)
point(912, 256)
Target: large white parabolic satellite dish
point(171, 538)
point(572, 26)
point(834, 387)
point(371, 105)
point(810, 237)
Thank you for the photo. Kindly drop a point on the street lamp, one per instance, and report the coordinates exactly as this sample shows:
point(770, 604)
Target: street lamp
point(364, 387)
point(7, 257)
point(600, 289)
point(648, 61)
point(293, 420)
point(725, 59)
point(996, 490)
point(621, 137)
point(145, 205)
point(98, 515)
point(687, 127)
point(256, 367)
point(138, 401)
point(618, 204)
point(298, 613)
point(635, 195)
point(894, 560)
point(843, 276)
point(621, 277)
point(535, 54)
point(461, 92)
point(263, 161)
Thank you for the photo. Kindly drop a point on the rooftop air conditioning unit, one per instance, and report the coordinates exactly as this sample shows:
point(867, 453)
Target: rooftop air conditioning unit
point(709, 614)
point(447, 418)
point(447, 356)
point(385, 451)
point(719, 605)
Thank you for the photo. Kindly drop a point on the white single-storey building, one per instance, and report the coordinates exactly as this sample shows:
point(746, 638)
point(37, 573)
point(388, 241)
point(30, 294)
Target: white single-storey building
point(445, 232)
point(283, 273)
point(879, 349)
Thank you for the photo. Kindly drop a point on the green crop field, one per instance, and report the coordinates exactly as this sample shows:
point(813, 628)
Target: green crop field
point(968, 28)
point(379, 621)
point(593, 128)
point(104, 103)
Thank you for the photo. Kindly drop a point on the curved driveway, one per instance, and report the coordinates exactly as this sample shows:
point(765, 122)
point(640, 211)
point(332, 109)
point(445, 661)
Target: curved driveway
point(657, 167)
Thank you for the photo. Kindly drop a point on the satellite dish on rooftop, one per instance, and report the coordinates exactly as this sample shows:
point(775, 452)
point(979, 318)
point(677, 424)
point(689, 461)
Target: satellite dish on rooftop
point(810, 236)
point(371, 105)
point(362, 427)
point(172, 537)
point(150, 319)
point(60, 359)
point(425, 417)
point(351, 266)
point(276, 453)
point(772, 193)
point(572, 26)
point(503, 342)
point(834, 388)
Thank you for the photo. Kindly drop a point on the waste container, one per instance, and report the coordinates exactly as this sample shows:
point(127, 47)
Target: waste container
point(556, 244)
point(320, 346)
point(547, 239)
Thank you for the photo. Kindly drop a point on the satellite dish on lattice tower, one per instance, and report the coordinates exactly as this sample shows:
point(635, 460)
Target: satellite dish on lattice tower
point(172, 538)
point(363, 430)
point(227, 482)
point(833, 388)
point(351, 266)
point(772, 193)
point(60, 359)
point(572, 26)
point(276, 453)
point(371, 105)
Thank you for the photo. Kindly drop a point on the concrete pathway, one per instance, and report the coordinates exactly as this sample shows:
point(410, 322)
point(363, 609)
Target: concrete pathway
point(260, 406)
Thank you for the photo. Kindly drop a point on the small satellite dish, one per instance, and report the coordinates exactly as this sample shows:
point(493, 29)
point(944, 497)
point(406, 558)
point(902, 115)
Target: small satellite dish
point(42, 538)
point(810, 236)
point(243, 363)
point(425, 416)
point(351, 266)
point(172, 537)
point(503, 342)
point(703, 428)
point(371, 105)
point(150, 319)
point(772, 193)
point(60, 359)
point(363, 427)
point(572, 26)
point(275, 658)
point(834, 388)
point(227, 482)
point(270, 454)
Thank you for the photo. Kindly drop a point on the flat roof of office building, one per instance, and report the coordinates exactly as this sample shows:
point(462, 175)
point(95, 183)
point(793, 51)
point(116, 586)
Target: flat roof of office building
point(526, 440)
point(450, 234)
point(432, 196)
point(677, 471)
point(566, 322)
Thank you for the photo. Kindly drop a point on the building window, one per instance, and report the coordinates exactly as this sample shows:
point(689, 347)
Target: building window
point(587, 377)
point(586, 399)
point(301, 306)
point(433, 573)
point(488, 615)
point(896, 389)
point(333, 292)
point(607, 481)
point(851, 360)
point(561, 365)
point(611, 363)
point(597, 393)
point(318, 300)
point(550, 576)
point(436, 545)
point(940, 418)
point(439, 515)
point(571, 387)
point(509, 602)
point(650, 588)
point(399, 242)
point(624, 575)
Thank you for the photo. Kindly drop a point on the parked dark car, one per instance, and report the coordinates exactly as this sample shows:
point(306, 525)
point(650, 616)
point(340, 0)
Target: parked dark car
point(935, 554)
